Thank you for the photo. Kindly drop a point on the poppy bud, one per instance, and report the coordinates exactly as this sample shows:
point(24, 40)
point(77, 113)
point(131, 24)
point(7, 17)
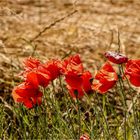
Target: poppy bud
point(115, 57)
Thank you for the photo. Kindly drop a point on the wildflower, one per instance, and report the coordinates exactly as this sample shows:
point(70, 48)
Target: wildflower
point(87, 77)
point(73, 80)
point(115, 57)
point(36, 78)
point(78, 84)
point(39, 74)
point(105, 79)
point(74, 59)
point(31, 63)
point(75, 93)
point(73, 70)
point(52, 66)
point(84, 137)
point(27, 94)
point(132, 70)
point(73, 64)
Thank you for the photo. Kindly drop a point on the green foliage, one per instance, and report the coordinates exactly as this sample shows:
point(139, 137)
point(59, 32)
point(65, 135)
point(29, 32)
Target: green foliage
point(60, 117)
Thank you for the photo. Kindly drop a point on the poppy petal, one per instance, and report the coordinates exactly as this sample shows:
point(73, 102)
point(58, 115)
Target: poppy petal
point(132, 71)
point(105, 79)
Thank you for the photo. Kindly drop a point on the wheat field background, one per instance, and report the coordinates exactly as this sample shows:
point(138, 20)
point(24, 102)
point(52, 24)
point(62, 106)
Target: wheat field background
point(54, 28)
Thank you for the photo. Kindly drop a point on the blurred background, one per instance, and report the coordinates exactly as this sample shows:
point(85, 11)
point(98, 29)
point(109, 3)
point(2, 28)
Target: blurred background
point(55, 28)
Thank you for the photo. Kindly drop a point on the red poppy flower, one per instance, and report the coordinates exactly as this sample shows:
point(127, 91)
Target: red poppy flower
point(105, 79)
point(132, 70)
point(78, 83)
point(31, 63)
point(53, 66)
point(37, 78)
point(74, 59)
point(73, 80)
point(115, 57)
point(37, 73)
point(26, 94)
point(84, 137)
point(73, 64)
point(74, 86)
point(86, 84)
point(75, 93)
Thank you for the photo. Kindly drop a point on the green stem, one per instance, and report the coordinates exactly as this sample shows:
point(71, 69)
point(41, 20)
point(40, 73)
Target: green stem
point(107, 126)
point(61, 85)
point(69, 116)
point(79, 118)
point(133, 107)
point(123, 100)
